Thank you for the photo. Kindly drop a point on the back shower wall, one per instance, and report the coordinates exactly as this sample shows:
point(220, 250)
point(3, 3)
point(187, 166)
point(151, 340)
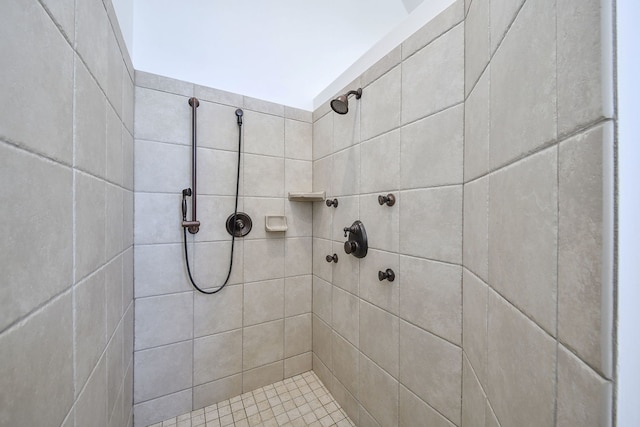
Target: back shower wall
point(192, 350)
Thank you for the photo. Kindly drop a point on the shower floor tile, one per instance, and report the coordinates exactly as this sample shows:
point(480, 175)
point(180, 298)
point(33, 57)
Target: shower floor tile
point(295, 402)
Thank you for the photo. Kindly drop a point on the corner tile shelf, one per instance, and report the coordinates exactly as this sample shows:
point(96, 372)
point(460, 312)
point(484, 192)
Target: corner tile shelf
point(318, 196)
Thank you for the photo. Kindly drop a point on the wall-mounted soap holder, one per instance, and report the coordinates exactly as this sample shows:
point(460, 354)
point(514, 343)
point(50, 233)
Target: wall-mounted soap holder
point(275, 223)
point(317, 196)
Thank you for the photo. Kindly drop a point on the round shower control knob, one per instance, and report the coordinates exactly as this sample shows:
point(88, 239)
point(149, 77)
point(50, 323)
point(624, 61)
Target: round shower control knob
point(350, 246)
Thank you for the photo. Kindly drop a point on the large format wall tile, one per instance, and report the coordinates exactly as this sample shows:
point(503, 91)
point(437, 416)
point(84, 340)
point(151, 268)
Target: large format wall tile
point(431, 297)
point(163, 319)
point(263, 301)
point(383, 294)
point(297, 335)
point(474, 324)
point(414, 412)
point(344, 309)
point(322, 346)
point(438, 213)
point(161, 167)
point(264, 134)
point(584, 281)
point(502, 14)
point(322, 137)
point(476, 129)
point(523, 229)
point(298, 140)
point(521, 367)
point(473, 399)
point(44, 248)
point(433, 29)
point(584, 397)
point(345, 173)
point(90, 127)
point(163, 408)
point(91, 406)
point(439, 382)
point(210, 264)
point(523, 84)
point(585, 63)
point(475, 240)
point(380, 105)
point(438, 142)
point(346, 363)
point(262, 344)
point(380, 163)
point(35, 360)
point(38, 66)
point(264, 259)
point(217, 126)
point(89, 224)
point(90, 333)
point(297, 294)
point(433, 78)
point(162, 116)
point(378, 392)
point(379, 337)
point(476, 42)
point(156, 272)
point(215, 391)
point(215, 356)
point(220, 313)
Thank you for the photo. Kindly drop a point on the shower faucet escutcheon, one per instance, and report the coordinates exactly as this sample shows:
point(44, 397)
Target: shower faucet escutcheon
point(356, 244)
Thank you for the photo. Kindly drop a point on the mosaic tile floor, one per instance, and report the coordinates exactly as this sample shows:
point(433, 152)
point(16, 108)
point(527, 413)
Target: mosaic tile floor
point(295, 402)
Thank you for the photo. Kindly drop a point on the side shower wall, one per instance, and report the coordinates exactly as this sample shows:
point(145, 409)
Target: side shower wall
point(501, 310)
point(192, 350)
point(538, 213)
point(391, 352)
point(66, 203)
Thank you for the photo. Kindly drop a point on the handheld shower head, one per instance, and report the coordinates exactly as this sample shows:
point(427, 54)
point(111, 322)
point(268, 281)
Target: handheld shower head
point(341, 104)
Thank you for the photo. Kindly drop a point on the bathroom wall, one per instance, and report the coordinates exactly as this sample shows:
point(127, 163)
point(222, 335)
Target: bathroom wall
point(492, 126)
point(66, 163)
point(391, 352)
point(192, 350)
point(538, 213)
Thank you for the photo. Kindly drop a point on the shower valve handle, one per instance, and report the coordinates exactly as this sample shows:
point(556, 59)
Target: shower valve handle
point(347, 230)
point(351, 246)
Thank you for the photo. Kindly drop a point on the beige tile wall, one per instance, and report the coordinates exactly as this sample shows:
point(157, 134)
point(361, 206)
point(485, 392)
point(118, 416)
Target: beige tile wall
point(492, 126)
point(66, 161)
point(194, 350)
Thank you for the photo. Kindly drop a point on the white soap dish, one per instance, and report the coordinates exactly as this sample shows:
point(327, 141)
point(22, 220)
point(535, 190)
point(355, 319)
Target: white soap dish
point(275, 223)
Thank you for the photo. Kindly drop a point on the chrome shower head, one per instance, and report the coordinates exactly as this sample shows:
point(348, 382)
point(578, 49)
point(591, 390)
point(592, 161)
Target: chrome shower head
point(341, 104)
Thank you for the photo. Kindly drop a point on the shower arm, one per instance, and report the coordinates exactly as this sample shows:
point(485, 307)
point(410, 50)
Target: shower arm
point(194, 225)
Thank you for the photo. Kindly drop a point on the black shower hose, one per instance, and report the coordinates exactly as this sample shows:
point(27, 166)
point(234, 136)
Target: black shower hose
point(233, 235)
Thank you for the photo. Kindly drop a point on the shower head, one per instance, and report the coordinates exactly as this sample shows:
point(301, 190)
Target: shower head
point(341, 104)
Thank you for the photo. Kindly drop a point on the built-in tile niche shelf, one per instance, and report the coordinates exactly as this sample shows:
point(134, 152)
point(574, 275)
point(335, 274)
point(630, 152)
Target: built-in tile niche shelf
point(318, 196)
point(275, 223)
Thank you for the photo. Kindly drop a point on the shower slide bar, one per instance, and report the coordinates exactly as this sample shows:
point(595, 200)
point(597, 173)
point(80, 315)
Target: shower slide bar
point(194, 225)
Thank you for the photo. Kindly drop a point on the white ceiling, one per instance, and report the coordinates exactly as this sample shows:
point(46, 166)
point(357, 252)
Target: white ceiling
point(284, 51)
